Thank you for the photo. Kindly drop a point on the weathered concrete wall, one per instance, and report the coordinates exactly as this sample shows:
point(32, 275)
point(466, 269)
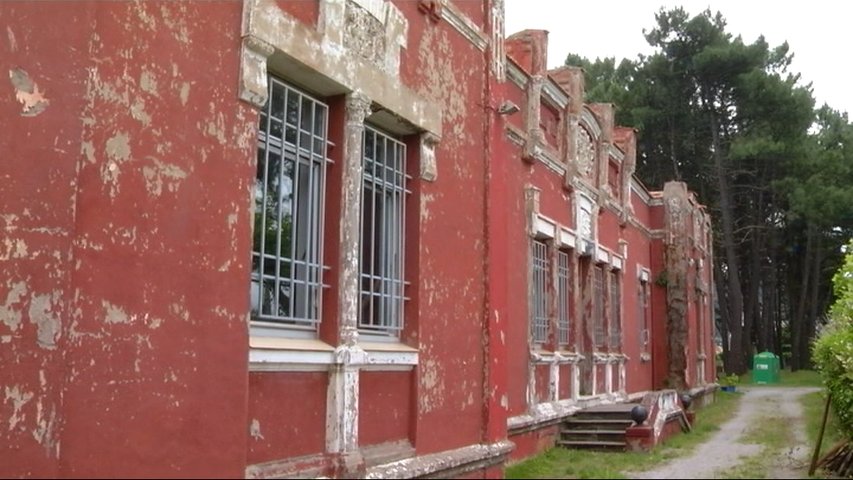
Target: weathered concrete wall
point(126, 207)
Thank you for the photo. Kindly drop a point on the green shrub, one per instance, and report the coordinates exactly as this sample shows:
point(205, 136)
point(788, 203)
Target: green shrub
point(833, 349)
point(729, 380)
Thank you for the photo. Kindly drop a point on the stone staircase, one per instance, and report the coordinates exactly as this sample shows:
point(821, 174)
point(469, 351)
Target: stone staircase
point(597, 428)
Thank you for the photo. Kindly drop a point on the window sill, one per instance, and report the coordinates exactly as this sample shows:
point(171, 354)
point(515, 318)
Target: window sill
point(383, 356)
point(274, 354)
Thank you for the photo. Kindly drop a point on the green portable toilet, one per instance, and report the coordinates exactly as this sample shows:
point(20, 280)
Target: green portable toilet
point(765, 368)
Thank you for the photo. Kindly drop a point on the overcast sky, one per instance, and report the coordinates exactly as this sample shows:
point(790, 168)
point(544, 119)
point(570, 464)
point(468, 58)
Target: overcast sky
point(819, 32)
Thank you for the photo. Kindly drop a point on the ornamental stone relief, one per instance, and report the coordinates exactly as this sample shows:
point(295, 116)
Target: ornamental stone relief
point(585, 148)
point(584, 224)
point(364, 34)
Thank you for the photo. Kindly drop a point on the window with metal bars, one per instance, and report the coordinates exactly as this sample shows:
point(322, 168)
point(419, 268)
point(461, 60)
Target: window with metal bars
point(615, 310)
point(539, 323)
point(643, 314)
point(599, 334)
point(287, 253)
point(383, 239)
point(564, 293)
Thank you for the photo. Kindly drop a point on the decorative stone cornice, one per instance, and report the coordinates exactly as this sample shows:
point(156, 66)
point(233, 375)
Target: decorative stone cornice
point(429, 164)
point(464, 25)
point(253, 86)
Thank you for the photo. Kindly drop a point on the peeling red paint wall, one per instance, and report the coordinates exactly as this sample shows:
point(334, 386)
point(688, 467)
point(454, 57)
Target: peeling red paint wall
point(286, 415)
point(134, 179)
point(38, 171)
point(130, 169)
point(385, 407)
point(443, 66)
point(530, 443)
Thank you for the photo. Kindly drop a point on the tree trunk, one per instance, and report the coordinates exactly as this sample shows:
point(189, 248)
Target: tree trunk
point(751, 307)
point(723, 309)
point(798, 320)
point(814, 306)
point(733, 286)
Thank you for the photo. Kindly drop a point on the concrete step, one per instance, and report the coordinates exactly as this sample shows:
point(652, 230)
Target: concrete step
point(596, 424)
point(567, 431)
point(593, 436)
point(592, 444)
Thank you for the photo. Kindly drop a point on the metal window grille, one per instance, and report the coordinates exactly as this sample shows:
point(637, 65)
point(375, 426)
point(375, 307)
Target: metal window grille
point(643, 314)
point(615, 310)
point(287, 253)
point(383, 220)
point(540, 292)
point(563, 296)
point(598, 332)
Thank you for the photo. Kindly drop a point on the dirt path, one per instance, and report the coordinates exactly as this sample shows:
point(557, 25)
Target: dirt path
point(727, 448)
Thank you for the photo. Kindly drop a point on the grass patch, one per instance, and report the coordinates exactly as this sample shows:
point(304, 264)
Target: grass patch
point(787, 378)
point(813, 405)
point(750, 467)
point(773, 434)
point(565, 463)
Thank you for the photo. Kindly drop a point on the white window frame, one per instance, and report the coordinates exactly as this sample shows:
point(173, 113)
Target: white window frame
point(540, 263)
point(382, 258)
point(599, 319)
point(564, 296)
point(643, 306)
point(615, 299)
point(293, 132)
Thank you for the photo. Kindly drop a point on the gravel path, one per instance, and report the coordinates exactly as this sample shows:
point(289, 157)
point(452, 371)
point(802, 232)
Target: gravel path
point(725, 449)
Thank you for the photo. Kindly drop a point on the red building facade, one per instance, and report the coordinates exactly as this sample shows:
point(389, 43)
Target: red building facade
point(327, 237)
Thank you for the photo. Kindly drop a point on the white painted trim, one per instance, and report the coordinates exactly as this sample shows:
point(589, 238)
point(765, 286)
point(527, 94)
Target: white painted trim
point(602, 255)
point(555, 95)
point(616, 262)
point(448, 460)
point(286, 358)
point(617, 154)
point(464, 25)
point(588, 119)
point(273, 354)
point(288, 367)
point(308, 466)
point(645, 274)
point(516, 74)
point(321, 49)
point(567, 238)
point(545, 227)
point(392, 358)
point(386, 368)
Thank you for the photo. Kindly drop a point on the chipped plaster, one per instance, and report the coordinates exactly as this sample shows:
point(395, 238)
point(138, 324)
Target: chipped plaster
point(255, 430)
point(44, 318)
point(19, 398)
point(27, 93)
point(114, 314)
point(160, 174)
point(10, 315)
